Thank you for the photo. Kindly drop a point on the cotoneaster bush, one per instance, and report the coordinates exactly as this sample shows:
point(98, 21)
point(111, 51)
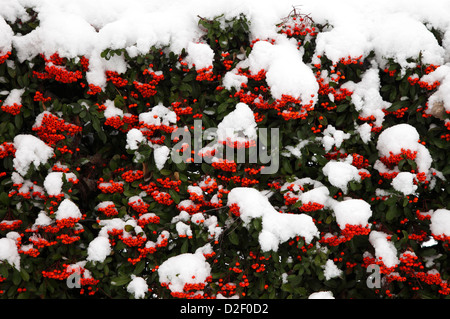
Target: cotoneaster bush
point(88, 186)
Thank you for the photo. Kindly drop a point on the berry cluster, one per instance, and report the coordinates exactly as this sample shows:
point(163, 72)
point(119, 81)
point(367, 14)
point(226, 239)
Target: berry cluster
point(13, 109)
point(52, 129)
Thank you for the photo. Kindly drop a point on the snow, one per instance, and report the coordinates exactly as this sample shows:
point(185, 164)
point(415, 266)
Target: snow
point(404, 136)
point(340, 174)
point(158, 115)
point(9, 253)
point(366, 96)
point(53, 182)
point(233, 80)
point(14, 97)
point(333, 137)
point(238, 125)
point(111, 110)
point(286, 72)
point(404, 183)
point(343, 41)
point(109, 225)
point(30, 150)
point(295, 150)
point(396, 138)
point(134, 138)
point(440, 222)
point(331, 270)
point(321, 295)
point(138, 287)
point(183, 229)
point(442, 95)
point(99, 248)
point(43, 219)
point(394, 30)
point(104, 204)
point(277, 227)
point(67, 209)
point(319, 195)
point(199, 55)
point(352, 212)
point(365, 132)
point(402, 36)
point(161, 155)
point(185, 268)
point(182, 216)
point(384, 249)
point(197, 218)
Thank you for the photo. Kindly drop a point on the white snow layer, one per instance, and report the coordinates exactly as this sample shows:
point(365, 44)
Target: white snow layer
point(384, 249)
point(185, 268)
point(331, 270)
point(392, 29)
point(14, 97)
point(53, 182)
point(98, 249)
point(404, 183)
point(138, 287)
point(404, 137)
point(366, 96)
point(286, 72)
point(352, 212)
point(68, 209)
point(277, 227)
point(321, 295)
point(161, 155)
point(9, 253)
point(238, 125)
point(340, 174)
point(30, 150)
point(440, 222)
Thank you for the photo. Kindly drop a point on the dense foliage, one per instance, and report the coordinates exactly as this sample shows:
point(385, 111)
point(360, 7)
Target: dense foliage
point(109, 181)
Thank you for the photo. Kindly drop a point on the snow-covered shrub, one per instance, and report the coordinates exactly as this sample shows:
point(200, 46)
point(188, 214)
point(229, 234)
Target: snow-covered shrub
point(94, 108)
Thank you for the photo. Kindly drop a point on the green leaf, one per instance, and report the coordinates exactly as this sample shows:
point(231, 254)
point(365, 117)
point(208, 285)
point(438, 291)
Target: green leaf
point(96, 124)
point(139, 267)
point(297, 204)
point(120, 280)
point(4, 199)
point(16, 278)
point(354, 186)
point(3, 270)
point(222, 108)
point(185, 88)
point(257, 223)
point(119, 101)
point(175, 196)
point(165, 172)
point(392, 212)
point(341, 107)
point(446, 170)
point(234, 238)
point(11, 72)
point(398, 105)
point(24, 274)
point(185, 246)
point(393, 93)
point(18, 121)
point(287, 166)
